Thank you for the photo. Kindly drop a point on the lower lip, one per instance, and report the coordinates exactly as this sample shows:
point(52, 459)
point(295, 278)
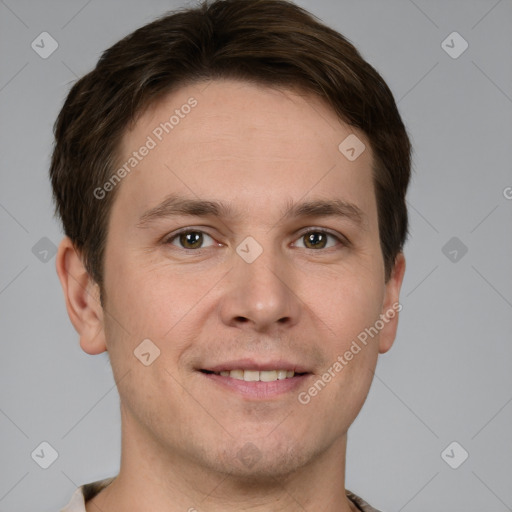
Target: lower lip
point(258, 390)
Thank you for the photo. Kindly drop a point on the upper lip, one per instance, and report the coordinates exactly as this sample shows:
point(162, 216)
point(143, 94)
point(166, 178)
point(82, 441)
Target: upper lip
point(251, 364)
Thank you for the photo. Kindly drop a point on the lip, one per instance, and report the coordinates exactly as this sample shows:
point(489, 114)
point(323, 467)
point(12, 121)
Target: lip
point(257, 390)
point(251, 364)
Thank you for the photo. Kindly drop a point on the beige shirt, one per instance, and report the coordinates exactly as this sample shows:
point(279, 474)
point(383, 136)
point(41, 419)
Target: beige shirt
point(86, 492)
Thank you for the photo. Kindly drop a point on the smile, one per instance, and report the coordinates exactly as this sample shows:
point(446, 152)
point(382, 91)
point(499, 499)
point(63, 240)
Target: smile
point(257, 384)
point(257, 375)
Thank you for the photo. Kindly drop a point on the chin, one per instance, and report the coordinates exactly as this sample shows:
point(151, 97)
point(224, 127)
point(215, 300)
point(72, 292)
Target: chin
point(259, 462)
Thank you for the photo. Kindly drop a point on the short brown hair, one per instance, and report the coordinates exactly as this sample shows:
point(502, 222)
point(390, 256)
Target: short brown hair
point(270, 42)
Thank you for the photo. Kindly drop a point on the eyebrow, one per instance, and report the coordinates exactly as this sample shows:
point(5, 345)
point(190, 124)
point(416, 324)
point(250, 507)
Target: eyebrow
point(174, 205)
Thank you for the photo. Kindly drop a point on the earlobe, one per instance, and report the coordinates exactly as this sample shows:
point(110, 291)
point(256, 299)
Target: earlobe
point(391, 305)
point(82, 298)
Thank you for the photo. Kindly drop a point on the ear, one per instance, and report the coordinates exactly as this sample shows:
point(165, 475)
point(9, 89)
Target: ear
point(82, 296)
point(391, 305)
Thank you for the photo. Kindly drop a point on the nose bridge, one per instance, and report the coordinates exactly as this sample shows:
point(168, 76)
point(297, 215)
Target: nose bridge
point(260, 288)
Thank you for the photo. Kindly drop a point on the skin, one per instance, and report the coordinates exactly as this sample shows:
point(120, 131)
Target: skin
point(255, 148)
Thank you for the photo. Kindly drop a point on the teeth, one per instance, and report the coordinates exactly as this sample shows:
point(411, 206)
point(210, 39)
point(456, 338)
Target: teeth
point(255, 376)
point(251, 376)
point(268, 376)
point(236, 374)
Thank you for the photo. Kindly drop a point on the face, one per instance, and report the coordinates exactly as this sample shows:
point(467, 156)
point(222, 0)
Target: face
point(245, 246)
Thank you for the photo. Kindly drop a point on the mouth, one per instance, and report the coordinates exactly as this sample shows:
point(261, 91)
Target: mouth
point(257, 381)
point(256, 375)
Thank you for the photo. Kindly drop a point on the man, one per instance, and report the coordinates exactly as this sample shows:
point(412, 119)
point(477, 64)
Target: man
point(231, 180)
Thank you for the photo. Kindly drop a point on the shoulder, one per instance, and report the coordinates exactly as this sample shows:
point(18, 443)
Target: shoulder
point(360, 503)
point(92, 489)
point(84, 493)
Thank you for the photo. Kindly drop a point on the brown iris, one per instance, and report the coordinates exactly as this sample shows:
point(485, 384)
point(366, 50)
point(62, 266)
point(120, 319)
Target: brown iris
point(316, 239)
point(191, 239)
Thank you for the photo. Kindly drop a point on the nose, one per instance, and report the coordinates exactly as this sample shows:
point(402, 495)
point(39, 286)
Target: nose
point(260, 296)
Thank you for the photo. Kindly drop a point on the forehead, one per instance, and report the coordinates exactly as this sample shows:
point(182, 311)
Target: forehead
point(246, 142)
point(287, 122)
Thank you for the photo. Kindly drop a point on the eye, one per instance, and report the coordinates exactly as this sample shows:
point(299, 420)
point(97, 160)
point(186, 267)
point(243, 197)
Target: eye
point(191, 239)
point(318, 239)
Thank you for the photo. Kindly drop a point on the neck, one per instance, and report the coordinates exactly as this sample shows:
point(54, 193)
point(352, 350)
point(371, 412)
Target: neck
point(152, 479)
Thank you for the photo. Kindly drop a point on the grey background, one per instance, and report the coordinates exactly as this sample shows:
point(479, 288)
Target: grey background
point(448, 376)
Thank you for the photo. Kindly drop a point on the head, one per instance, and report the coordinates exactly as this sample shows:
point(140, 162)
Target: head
point(228, 118)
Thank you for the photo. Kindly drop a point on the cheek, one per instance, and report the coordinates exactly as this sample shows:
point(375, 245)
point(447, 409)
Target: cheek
point(347, 303)
point(144, 298)
point(339, 392)
point(348, 308)
point(156, 303)
point(353, 308)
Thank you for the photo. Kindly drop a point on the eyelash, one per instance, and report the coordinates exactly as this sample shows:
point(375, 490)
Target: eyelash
point(343, 242)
